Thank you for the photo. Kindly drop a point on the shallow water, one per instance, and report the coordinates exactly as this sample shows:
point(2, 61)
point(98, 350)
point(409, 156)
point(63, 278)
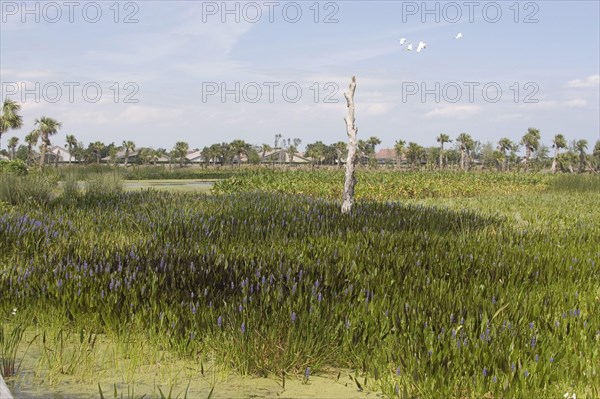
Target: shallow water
point(325, 385)
point(128, 184)
point(150, 372)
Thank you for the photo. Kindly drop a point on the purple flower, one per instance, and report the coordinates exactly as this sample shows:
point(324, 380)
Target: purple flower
point(398, 371)
point(293, 317)
point(243, 328)
point(494, 379)
point(533, 341)
point(485, 371)
point(531, 325)
point(220, 321)
point(307, 373)
point(320, 297)
point(537, 358)
point(526, 373)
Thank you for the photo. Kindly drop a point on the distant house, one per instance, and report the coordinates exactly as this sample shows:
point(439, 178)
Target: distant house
point(195, 157)
point(282, 156)
point(134, 157)
point(386, 156)
point(120, 157)
point(57, 154)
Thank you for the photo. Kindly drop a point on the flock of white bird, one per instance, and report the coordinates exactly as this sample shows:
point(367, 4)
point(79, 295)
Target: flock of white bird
point(422, 45)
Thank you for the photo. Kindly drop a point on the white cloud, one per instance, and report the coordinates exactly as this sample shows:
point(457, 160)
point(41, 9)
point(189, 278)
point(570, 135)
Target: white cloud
point(542, 104)
point(378, 108)
point(590, 81)
point(456, 111)
point(27, 74)
point(576, 103)
point(509, 116)
point(146, 114)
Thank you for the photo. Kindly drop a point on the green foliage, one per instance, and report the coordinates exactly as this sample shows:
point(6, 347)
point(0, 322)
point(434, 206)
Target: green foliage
point(15, 167)
point(35, 189)
point(86, 172)
point(71, 190)
point(10, 338)
point(383, 185)
point(104, 185)
point(480, 285)
point(576, 183)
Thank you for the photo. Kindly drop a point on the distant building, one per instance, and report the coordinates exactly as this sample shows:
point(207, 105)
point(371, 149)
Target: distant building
point(386, 156)
point(57, 154)
point(195, 157)
point(282, 156)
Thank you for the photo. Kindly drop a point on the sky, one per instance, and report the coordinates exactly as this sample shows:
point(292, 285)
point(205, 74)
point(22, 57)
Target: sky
point(157, 72)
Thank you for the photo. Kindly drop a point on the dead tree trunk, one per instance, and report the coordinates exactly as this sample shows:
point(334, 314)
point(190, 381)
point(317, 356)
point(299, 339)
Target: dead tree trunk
point(352, 130)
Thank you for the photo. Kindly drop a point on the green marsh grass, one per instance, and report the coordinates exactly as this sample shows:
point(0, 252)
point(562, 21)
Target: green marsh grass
point(457, 296)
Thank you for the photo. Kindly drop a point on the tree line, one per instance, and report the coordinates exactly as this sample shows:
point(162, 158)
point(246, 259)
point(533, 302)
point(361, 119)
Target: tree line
point(465, 153)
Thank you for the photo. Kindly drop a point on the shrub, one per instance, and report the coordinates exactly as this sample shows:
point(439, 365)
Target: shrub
point(104, 184)
point(35, 188)
point(15, 167)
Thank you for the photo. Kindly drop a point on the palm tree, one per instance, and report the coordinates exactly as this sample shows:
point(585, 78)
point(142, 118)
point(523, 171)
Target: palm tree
point(466, 144)
point(112, 153)
point(71, 144)
point(316, 151)
point(291, 151)
point(373, 142)
point(442, 138)
point(161, 152)
point(414, 153)
point(12, 146)
point(97, 147)
point(505, 145)
point(10, 118)
point(146, 155)
point(265, 148)
point(31, 139)
point(581, 146)
point(277, 138)
point(239, 147)
point(180, 151)
point(558, 142)
point(531, 141)
point(46, 128)
point(399, 149)
point(206, 154)
point(129, 146)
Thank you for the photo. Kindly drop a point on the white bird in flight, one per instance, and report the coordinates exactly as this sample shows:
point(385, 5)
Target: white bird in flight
point(459, 35)
point(402, 41)
point(421, 46)
point(409, 48)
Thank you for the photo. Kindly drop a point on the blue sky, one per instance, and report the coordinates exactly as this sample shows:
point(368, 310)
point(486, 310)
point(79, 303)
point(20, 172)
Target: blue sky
point(177, 51)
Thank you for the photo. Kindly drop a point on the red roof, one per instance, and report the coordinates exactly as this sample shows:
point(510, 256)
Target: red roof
point(386, 153)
